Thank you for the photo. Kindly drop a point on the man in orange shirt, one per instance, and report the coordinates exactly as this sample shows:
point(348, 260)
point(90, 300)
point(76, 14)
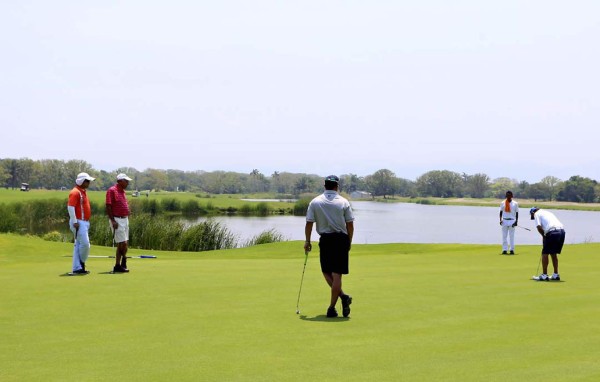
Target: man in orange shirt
point(79, 221)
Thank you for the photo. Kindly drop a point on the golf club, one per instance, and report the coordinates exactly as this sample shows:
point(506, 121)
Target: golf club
point(112, 257)
point(527, 229)
point(301, 281)
point(131, 257)
point(537, 272)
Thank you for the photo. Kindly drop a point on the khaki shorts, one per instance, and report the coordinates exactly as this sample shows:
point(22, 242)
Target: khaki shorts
point(121, 234)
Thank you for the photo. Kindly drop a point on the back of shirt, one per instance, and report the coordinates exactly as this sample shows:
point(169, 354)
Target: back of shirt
point(547, 220)
point(330, 211)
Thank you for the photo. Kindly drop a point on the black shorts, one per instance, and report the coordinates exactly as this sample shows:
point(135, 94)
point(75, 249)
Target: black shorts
point(553, 242)
point(334, 249)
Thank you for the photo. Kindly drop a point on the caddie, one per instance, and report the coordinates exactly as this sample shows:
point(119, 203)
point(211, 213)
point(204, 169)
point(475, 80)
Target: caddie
point(80, 212)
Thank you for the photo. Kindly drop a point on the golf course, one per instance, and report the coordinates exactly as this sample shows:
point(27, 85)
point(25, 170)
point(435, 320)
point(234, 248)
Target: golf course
point(421, 312)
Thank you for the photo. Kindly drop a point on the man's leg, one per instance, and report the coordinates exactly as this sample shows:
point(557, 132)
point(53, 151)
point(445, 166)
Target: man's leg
point(555, 262)
point(336, 288)
point(504, 238)
point(511, 234)
point(545, 263)
point(329, 278)
point(76, 259)
point(121, 254)
point(124, 254)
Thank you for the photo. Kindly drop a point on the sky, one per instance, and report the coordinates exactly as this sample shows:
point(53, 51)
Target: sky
point(506, 88)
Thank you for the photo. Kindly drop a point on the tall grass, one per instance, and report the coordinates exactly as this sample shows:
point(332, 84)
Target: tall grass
point(206, 236)
point(147, 231)
point(265, 237)
point(301, 206)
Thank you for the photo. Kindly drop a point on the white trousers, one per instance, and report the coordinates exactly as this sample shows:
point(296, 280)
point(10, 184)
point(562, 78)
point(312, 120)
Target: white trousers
point(508, 232)
point(81, 248)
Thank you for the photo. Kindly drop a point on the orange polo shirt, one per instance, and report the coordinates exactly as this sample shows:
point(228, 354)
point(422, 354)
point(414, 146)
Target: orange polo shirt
point(78, 199)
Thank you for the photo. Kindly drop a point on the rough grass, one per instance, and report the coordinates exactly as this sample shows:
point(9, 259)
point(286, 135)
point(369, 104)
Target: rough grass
point(420, 313)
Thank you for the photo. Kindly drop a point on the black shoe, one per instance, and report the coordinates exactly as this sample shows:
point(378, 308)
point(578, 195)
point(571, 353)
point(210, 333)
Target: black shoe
point(81, 272)
point(346, 301)
point(504, 252)
point(331, 312)
point(512, 252)
point(120, 269)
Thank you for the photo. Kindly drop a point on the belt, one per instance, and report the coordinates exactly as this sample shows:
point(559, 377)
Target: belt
point(120, 217)
point(554, 229)
point(508, 218)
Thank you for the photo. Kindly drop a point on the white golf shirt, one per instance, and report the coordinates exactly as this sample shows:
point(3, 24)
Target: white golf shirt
point(331, 212)
point(509, 217)
point(547, 220)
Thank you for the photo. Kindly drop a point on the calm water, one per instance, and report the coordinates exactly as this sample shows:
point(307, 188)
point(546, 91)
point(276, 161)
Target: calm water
point(415, 223)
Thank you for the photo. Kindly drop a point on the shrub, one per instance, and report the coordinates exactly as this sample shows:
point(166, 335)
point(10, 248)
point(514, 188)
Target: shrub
point(192, 208)
point(262, 209)
point(206, 236)
point(171, 205)
point(54, 236)
point(265, 237)
point(301, 207)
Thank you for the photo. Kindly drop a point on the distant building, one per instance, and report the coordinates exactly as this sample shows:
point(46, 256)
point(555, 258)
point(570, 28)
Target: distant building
point(361, 195)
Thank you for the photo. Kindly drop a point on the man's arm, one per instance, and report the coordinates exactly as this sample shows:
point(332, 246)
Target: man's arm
point(350, 229)
point(540, 230)
point(111, 216)
point(307, 233)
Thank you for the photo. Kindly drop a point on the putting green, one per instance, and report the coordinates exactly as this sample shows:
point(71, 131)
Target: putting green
point(420, 313)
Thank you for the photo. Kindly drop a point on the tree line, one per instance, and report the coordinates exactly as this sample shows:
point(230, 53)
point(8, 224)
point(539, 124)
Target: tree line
point(60, 174)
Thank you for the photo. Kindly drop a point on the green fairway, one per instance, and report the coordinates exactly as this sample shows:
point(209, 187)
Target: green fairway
point(420, 313)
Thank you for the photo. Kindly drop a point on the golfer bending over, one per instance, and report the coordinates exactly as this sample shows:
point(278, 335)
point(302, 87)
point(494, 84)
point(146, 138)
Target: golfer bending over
point(553, 233)
point(335, 225)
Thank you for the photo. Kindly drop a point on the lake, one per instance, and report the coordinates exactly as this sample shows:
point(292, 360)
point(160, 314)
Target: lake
point(378, 223)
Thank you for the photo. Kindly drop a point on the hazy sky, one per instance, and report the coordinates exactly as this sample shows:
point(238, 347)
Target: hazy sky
point(507, 88)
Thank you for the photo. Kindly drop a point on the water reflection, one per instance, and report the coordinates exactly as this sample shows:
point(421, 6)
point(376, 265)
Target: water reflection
point(415, 223)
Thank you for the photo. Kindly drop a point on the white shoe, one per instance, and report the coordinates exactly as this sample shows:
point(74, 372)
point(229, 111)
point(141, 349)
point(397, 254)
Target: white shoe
point(555, 277)
point(542, 277)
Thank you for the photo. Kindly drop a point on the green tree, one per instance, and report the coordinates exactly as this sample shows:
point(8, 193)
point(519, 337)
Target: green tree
point(578, 189)
point(444, 184)
point(382, 183)
point(499, 187)
point(477, 185)
point(352, 182)
point(539, 191)
point(554, 184)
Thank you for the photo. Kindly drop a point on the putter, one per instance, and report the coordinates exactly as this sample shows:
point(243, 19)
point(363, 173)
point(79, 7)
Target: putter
point(301, 281)
point(537, 272)
point(527, 229)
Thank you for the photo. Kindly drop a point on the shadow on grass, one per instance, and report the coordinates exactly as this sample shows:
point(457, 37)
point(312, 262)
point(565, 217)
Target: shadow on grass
point(69, 274)
point(324, 318)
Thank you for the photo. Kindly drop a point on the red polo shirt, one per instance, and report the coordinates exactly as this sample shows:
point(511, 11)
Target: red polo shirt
point(78, 199)
point(115, 197)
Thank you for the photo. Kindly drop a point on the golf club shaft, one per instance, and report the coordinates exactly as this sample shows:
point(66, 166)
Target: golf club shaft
point(301, 281)
point(524, 228)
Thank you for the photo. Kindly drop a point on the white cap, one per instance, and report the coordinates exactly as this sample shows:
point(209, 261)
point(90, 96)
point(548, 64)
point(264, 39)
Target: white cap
point(122, 176)
point(82, 177)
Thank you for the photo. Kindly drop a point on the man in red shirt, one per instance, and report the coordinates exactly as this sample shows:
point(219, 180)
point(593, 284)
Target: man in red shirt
point(80, 212)
point(117, 210)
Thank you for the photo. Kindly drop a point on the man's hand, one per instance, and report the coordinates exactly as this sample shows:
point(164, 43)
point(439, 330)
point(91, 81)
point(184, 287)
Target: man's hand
point(114, 223)
point(514, 224)
point(307, 246)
